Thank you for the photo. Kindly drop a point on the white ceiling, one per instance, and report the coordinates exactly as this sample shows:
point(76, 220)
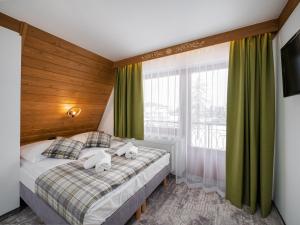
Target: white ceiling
point(117, 29)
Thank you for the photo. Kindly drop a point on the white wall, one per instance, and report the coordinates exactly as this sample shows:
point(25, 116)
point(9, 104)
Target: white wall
point(107, 122)
point(287, 156)
point(10, 76)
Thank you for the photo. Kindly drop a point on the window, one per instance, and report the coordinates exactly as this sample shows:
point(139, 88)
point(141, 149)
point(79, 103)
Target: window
point(161, 105)
point(185, 98)
point(185, 104)
point(208, 108)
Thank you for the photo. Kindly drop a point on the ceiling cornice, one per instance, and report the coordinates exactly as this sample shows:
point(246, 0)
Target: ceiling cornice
point(287, 11)
point(260, 28)
point(271, 26)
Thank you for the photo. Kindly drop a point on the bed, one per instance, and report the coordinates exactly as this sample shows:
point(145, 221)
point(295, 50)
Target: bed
point(113, 208)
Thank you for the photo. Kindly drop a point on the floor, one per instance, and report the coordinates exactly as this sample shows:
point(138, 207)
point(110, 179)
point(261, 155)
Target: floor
point(178, 205)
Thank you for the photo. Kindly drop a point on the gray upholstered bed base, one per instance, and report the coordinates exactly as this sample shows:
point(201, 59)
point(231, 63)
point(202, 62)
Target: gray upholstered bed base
point(119, 217)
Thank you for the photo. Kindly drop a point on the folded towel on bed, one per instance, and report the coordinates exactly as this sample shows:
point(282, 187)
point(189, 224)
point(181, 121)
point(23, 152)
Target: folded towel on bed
point(92, 161)
point(104, 164)
point(131, 153)
point(123, 149)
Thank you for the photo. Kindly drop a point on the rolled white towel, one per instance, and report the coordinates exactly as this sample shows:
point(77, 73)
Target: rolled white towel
point(92, 161)
point(123, 149)
point(131, 153)
point(103, 164)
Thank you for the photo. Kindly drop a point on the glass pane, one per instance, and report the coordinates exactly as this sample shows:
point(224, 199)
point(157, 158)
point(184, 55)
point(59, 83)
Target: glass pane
point(161, 105)
point(208, 109)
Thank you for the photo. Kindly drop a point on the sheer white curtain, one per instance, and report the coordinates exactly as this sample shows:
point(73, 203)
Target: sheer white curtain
point(185, 104)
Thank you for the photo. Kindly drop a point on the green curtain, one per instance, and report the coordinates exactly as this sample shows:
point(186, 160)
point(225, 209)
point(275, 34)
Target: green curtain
point(250, 123)
point(129, 102)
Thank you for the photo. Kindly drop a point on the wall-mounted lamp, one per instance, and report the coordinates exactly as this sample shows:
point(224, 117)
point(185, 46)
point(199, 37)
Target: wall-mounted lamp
point(74, 111)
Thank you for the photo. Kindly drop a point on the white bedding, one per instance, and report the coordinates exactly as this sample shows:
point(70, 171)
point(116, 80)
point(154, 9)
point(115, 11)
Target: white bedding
point(106, 205)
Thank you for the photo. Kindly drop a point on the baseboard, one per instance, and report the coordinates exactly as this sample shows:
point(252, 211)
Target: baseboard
point(10, 213)
point(14, 211)
point(278, 212)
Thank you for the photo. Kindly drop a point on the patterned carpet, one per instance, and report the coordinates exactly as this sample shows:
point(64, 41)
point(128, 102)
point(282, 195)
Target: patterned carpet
point(178, 205)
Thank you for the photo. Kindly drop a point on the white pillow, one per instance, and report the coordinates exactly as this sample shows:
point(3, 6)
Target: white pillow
point(33, 152)
point(81, 137)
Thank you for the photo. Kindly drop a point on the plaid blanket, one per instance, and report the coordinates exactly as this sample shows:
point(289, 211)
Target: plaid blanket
point(70, 189)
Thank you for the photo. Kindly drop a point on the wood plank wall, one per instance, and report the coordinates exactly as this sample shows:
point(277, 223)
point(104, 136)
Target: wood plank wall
point(57, 75)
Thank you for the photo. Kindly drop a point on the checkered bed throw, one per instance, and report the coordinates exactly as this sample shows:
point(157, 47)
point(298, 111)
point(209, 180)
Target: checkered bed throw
point(70, 189)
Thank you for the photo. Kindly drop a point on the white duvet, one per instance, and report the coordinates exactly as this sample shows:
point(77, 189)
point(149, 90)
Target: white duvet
point(109, 203)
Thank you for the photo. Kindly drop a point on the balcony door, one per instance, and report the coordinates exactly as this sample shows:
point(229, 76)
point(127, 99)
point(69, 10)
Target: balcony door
point(185, 104)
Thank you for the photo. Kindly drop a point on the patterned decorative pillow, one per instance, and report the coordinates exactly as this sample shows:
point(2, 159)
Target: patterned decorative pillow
point(64, 148)
point(98, 139)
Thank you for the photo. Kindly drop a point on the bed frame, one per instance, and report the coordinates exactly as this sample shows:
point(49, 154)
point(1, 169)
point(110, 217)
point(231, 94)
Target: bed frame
point(136, 204)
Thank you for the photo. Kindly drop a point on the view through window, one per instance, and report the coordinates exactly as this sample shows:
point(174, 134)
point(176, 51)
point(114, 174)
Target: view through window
point(187, 101)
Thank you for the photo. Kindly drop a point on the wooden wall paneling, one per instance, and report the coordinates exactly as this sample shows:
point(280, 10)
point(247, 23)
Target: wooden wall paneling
point(61, 85)
point(50, 67)
point(10, 23)
point(23, 32)
point(65, 81)
point(57, 75)
point(38, 110)
point(49, 48)
point(44, 134)
point(268, 26)
point(287, 11)
point(55, 41)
